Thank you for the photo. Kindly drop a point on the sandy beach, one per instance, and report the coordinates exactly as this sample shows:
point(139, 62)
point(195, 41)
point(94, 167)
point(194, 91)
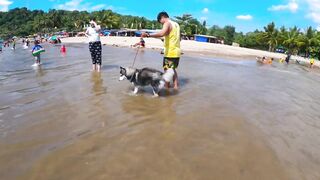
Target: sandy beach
point(194, 48)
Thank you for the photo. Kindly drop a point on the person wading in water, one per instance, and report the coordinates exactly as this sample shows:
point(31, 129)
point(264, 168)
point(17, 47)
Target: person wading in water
point(172, 52)
point(94, 45)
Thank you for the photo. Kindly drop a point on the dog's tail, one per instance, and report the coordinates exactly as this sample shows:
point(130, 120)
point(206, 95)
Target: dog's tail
point(168, 75)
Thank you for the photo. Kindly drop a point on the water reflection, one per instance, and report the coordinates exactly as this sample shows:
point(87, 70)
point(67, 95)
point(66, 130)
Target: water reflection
point(97, 84)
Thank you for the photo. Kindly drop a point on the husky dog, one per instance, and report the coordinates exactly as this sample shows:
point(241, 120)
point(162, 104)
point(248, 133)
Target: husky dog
point(146, 76)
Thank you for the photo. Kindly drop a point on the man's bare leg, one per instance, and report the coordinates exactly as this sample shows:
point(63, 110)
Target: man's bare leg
point(94, 67)
point(175, 80)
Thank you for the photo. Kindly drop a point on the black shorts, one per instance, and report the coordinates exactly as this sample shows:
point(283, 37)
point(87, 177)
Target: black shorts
point(170, 63)
point(95, 50)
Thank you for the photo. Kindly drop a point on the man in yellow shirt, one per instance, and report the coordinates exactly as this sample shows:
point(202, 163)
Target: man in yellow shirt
point(172, 52)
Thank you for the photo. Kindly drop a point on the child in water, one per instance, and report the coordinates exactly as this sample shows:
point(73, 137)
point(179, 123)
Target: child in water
point(281, 60)
point(311, 62)
point(14, 44)
point(36, 52)
point(270, 60)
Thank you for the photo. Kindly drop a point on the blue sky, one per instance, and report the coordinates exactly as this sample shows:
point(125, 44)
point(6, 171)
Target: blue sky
point(245, 15)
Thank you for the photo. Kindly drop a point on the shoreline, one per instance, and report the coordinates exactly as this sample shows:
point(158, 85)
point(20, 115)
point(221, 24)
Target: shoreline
point(195, 48)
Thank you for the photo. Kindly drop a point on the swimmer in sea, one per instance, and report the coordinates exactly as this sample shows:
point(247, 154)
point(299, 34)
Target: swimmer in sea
point(311, 62)
point(270, 60)
point(262, 60)
point(281, 60)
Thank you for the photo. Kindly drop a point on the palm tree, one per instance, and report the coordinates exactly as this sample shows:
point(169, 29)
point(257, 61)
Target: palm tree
point(81, 21)
point(183, 21)
point(55, 18)
point(281, 34)
point(309, 41)
point(109, 19)
point(271, 36)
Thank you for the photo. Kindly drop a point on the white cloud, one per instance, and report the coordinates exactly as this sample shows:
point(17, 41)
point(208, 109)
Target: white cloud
point(292, 6)
point(314, 10)
point(244, 17)
point(204, 18)
point(205, 10)
point(80, 5)
point(4, 5)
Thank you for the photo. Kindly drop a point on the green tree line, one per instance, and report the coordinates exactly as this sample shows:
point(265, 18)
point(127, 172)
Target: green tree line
point(23, 22)
point(294, 40)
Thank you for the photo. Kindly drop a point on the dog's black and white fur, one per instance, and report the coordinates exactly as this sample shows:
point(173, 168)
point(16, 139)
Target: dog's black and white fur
point(145, 77)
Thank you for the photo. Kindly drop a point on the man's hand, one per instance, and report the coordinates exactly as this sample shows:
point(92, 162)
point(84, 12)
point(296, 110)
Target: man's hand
point(144, 35)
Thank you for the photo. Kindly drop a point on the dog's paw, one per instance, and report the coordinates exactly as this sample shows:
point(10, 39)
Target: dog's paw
point(133, 94)
point(155, 96)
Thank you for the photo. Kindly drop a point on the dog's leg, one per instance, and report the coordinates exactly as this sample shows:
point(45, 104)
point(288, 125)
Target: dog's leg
point(155, 92)
point(161, 84)
point(136, 89)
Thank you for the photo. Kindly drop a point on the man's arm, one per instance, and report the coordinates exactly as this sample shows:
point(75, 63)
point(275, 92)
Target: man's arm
point(165, 31)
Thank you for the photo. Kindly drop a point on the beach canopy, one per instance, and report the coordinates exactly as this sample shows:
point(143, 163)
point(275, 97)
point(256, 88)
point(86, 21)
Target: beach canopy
point(53, 38)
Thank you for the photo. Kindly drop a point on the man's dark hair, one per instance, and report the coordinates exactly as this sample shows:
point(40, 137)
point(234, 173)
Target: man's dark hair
point(162, 14)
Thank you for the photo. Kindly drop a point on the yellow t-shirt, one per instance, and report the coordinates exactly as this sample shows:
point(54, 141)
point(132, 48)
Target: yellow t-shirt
point(312, 61)
point(172, 42)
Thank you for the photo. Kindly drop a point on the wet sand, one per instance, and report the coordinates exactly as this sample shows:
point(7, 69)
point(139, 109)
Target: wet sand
point(229, 120)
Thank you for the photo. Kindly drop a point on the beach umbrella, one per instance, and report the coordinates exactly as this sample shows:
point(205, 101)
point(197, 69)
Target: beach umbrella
point(53, 38)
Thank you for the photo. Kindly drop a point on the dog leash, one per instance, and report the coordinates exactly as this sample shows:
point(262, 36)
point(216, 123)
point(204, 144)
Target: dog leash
point(135, 57)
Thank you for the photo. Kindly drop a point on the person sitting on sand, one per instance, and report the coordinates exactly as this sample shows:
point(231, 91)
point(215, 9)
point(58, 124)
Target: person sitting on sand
point(142, 43)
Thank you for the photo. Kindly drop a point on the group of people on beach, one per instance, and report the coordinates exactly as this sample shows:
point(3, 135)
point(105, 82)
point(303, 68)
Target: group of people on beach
point(266, 60)
point(7, 44)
